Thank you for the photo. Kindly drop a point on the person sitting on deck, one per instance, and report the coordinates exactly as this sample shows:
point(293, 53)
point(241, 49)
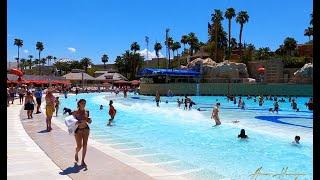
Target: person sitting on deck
point(242, 134)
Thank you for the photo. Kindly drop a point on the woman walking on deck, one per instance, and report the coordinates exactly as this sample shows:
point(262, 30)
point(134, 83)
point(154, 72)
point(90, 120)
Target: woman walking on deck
point(29, 104)
point(82, 131)
point(50, 108)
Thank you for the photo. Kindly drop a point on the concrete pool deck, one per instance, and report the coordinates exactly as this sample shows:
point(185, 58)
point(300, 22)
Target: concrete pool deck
point(25, 159)
point(35, 153)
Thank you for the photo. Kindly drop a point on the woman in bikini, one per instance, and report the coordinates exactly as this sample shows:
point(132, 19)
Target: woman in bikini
point(215, 114)
point(82, 132)
point(29, 104)
point(50, 108)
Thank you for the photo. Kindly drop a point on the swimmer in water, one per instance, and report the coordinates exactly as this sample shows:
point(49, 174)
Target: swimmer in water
point(236, 121)
point(101, 107)
point(296, 140)
point(157, 98)
point(242, 134)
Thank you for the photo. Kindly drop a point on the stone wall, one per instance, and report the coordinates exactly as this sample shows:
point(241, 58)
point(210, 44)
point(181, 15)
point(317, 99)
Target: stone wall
point(232, 88)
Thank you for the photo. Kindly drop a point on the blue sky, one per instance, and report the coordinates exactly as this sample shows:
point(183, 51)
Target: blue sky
point(89, 28)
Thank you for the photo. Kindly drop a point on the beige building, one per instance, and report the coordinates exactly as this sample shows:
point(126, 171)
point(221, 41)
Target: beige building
point(273, 70)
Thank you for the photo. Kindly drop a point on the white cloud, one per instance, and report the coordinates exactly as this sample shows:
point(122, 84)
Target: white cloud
point(150, 54)
point(26, 51)
point(72, 50)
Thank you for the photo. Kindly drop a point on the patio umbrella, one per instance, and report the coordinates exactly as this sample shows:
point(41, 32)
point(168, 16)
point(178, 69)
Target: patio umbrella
point(16, 72)
point(135, 82)
point(261, 70)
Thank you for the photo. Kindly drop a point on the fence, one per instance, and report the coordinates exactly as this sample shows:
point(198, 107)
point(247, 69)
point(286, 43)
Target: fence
point(209, 89)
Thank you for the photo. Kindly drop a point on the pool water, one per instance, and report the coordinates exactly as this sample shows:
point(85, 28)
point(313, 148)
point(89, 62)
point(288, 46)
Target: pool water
point(187, 144)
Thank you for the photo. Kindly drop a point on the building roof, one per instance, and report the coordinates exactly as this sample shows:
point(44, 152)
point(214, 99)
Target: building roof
point(111, 76)
point(78, 76)
point(12, 77)
point(174, 72)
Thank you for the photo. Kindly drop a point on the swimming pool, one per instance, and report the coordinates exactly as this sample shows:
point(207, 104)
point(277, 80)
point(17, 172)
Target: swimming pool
point(185, 143)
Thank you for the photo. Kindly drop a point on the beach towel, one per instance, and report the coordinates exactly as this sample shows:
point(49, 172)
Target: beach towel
point(70, 122)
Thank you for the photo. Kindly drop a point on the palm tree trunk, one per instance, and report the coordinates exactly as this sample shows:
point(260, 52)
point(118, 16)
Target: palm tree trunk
point(39, 64)
point(216, 41)
point(18, 58)
point(229, 38)
point(158, 61)
point(240, 37)
point(169, 59)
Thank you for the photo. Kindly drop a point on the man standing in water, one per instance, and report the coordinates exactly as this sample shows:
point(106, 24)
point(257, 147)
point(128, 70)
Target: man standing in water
point(157, 98)
point(215, 114)
point(112, 112)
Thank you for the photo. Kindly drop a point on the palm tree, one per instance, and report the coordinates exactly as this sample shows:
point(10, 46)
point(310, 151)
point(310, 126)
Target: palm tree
point(289, 45)
point(42, 63)
point(23, 63)
point(169, 43)
point(29, 61)
point(135, 47)
point(308, 32)
point(104, 59)
point(54, 59)
point(216, 18)
point(49, 58)
point(39, 47)
point(229, 14)
point(184, 41)
point(157, 48)
point(175, 47)
point(18, 43)
point(85, 62)
point(192, 41)
point(242, 18)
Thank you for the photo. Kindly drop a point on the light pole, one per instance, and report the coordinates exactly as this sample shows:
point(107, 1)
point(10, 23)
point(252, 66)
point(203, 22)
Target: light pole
point(147, 41)
point(167, 34)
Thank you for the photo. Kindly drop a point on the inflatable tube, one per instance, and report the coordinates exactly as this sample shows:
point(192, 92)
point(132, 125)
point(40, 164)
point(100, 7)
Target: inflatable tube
point(16, 72)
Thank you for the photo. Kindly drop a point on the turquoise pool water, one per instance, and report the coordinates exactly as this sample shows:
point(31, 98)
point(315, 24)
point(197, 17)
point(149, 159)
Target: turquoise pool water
point(184, 142)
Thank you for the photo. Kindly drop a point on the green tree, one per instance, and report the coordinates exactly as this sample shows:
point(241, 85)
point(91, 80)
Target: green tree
point(289, 45)
point(192, 41)
point(216, 18)
point(85, 62)
point(263, 53)
point(241, 18)
point(308, 32)
point(23, 63)
point(169, 43)
point(135, 47)
point(157, 48)
point(229, 14)
point(233, 43)
point(49, 58)
point(184, 41)
point(19, 44)
point(29, 61)
point(104, 60)
point(122, 66)
point(40, 48)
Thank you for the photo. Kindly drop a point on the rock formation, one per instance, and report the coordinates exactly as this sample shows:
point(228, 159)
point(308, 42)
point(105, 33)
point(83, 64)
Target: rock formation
point(224, 69)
